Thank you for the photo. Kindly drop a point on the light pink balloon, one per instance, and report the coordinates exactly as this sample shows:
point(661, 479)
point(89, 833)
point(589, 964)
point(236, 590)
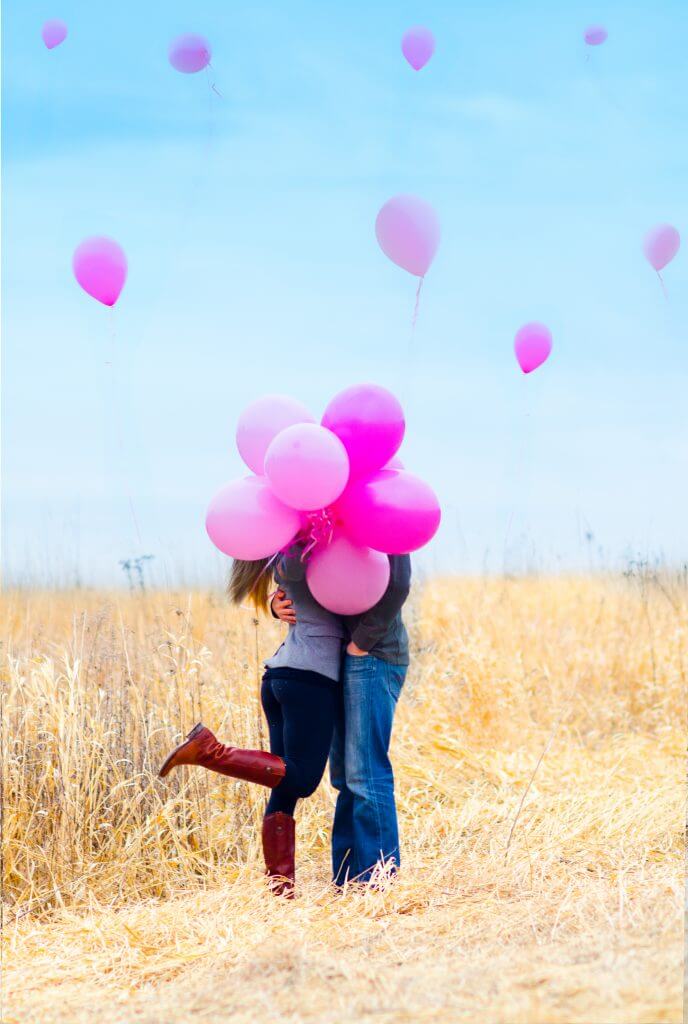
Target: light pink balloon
point(595, 35)
point(369, 421)
point(307, 466)
point(100, 267)
point(394, 463)
point(418, 46)
point(347, 579)
point(660, 245)
point(392, 511)
point(54, 32)
point(246, 520)
point(261, 421)
point(408, 233)
point(532, 345)
point(189, 53)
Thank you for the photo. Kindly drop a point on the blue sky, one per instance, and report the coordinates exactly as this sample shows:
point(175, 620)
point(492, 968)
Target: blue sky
point(248, 221)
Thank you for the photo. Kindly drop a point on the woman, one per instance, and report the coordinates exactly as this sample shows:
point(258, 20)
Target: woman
point(298, 694)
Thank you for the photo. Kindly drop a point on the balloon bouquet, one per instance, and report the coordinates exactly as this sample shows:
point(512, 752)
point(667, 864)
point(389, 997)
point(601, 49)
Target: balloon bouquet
point(335, 487)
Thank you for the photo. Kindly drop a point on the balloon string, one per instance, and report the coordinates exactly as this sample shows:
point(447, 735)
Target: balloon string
point(320, 531)
point(212, 84)
point(414, 319)
point(117, 420)
point(661, 281)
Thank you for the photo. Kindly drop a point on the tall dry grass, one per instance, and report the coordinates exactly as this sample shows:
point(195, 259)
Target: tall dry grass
point(539, 752)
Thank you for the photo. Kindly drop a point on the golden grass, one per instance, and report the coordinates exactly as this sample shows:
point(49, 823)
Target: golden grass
point(535, 889)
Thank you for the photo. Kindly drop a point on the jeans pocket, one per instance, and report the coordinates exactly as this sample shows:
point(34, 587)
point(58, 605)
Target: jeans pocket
point(395, 677)
point(358, 661)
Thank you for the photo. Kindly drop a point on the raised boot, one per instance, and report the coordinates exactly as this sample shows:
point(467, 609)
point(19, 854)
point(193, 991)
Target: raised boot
point(279, 850)
point(202, 748)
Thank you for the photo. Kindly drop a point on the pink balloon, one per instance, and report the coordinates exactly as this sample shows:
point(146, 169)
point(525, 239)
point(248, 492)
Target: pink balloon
point(100, 267)
point(307, 466)
point(393, 511)
point(408, 233)
point(347, 579)
point(418, 46)
point(594, 35)
point(532, 345)
point(660, 245)
point(54, 32)
point(246, 520)
point(369, 421)
point(263, 420)
point(394, 463)
point(189, 53)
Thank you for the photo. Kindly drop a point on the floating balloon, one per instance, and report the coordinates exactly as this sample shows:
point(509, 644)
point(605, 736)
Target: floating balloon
point(369, 421)
point(246, 520)
point(307, 466)
point(660, 245)
point(532, 345)
point(189, 53)
point(263, 420)
point(408, 233)
point(347, 579)
point(54, 32)
point(595, 35)
point(392, 511)
point(100, 267)
point(418, 46)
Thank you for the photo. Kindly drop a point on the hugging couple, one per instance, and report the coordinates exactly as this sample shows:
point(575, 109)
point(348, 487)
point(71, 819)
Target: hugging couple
point(330, 690)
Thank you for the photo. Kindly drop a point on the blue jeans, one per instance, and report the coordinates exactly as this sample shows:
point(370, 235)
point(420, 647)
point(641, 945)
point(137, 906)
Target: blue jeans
point(365, 829)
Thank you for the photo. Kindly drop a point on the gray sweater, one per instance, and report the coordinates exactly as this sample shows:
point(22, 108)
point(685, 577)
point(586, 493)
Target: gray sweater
point(315, 643)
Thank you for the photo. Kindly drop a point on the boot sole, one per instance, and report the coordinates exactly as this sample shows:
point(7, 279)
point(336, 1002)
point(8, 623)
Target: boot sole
point(169, 762)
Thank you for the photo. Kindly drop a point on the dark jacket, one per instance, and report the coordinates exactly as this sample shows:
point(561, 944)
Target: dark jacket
point(381, 630)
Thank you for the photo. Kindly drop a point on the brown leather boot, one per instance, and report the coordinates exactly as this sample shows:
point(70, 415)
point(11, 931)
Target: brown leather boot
point(279, 850)
point(202, 748)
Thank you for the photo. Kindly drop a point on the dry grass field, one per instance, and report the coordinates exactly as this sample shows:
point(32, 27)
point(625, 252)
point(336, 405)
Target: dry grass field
point(540, 761)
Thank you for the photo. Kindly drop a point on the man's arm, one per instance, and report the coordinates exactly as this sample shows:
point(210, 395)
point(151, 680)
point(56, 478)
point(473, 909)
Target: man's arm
point(373, 624)
point(290, 568)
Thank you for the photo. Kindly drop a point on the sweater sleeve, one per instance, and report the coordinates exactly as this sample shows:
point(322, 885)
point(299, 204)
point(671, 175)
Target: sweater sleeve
point(374, 624)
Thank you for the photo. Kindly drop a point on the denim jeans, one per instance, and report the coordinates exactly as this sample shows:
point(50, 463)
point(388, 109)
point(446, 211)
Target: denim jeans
point(365, 829)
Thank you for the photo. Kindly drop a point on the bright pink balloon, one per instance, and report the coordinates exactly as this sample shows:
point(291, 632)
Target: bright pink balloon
point(347, 579)
point(532, 345)
point(418, 46)
point(660, 245)
point(246, 520)
point(594, 35)
point(189, 53)
point(369, 421)
point(100, 267)
point(54, 32)
point(393, 511)
point(263, 420)
point(408, 233)
point(307, 466)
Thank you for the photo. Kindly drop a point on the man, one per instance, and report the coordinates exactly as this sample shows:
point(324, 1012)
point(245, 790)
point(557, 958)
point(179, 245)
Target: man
point(365, 831)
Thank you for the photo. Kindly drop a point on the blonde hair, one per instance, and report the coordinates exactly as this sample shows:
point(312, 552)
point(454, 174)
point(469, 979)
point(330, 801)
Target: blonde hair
point(251, 580)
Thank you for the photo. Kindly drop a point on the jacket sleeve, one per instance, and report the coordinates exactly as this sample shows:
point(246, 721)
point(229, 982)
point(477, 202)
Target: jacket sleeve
point(374, 624)
point(290, 567)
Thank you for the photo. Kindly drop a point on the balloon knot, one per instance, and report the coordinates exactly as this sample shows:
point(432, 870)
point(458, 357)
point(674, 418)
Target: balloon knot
point(318, 532)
